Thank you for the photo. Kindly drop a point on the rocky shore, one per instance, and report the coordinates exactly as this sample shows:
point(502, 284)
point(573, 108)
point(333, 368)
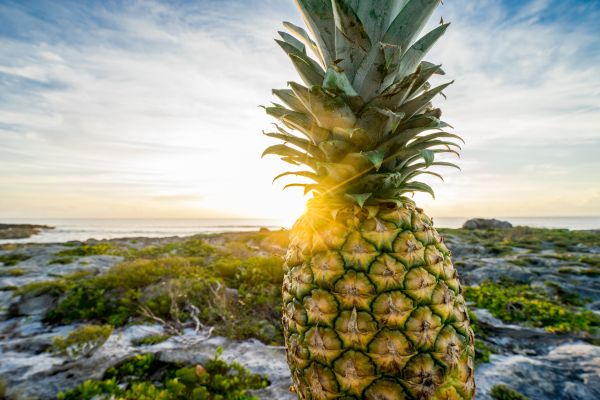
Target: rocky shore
point(20, 231)
point(534, 296)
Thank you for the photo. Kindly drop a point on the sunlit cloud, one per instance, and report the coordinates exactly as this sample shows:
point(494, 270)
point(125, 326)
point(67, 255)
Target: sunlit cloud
point(150, 109)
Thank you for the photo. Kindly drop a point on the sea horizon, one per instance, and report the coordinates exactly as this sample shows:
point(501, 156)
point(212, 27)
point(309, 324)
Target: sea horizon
point(82, 229)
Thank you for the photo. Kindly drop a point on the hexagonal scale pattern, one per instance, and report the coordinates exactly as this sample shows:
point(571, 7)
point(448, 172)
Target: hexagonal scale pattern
point(373, 309)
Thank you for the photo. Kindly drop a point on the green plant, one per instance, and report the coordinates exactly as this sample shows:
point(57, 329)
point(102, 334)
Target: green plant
point(532, 306)
point(151, 340)
point(10, 260)
point(13, 272)
point(82, 340)
point(89, 250)
point(3, 388)
point(502, 241)
point(145, 377)
point(54, 287)
point(240, 298)
point(482, 352)
point(503, 392)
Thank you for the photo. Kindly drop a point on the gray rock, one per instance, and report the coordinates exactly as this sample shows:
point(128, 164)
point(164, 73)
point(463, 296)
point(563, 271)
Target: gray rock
point(570, 372)
point(482, 223)
point(52, 374)
point(33, 305)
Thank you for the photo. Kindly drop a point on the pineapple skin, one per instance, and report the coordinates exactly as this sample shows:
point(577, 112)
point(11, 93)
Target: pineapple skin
point(372, 308)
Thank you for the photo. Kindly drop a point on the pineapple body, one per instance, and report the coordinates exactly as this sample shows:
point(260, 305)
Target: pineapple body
point(373, 308)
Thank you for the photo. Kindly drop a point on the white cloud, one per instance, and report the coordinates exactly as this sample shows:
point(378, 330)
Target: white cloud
point(157, 105)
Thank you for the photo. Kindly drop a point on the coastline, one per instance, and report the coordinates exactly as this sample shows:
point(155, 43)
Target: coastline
point(102, 229)
point(52, 290)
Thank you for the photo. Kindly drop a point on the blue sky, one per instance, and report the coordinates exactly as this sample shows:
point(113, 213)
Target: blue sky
point(149, 108)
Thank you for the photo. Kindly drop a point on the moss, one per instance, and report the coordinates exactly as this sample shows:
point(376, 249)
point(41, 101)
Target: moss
point(145, 377)
point(591, 260)
point(151, 340)
point(10, 260)
point(15, 272)
point(54, 287)
point(3, 388)
point(503, 392)
point(8, 247)
point(82, 340)
point(89, 250)
point(532, 306)
point(579, 271)
point(565, 297)
point(62, 261)
point(193, 247)
point(482, 352)
point(502, 241)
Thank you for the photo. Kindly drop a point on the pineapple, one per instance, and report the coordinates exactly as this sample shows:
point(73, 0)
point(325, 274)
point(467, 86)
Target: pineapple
point(372, 303)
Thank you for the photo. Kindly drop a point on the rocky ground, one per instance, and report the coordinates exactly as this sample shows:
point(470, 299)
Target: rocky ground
point(534, 293)
point(20, 231)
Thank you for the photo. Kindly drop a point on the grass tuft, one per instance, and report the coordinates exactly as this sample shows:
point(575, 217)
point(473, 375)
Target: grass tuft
point(81, 341)
point(503, 392)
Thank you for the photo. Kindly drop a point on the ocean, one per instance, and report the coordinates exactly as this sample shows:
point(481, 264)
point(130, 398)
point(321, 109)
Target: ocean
point(84, 229)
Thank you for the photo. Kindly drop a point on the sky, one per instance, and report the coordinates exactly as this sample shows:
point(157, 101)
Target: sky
point(150, 109)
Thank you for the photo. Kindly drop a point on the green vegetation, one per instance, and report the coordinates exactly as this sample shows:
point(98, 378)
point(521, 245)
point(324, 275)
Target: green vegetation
point(82, 340)
point(151, 340)
point(88, 250)
point(145, 377)
point(592, 260)
point(503, 241)
point(190, 248)
point(532, 306)
point(579, 271)
point(240, 297)
point(62, 261)
point(503, 392)
point(54, 287)
point(13, 272)
point(482, 352)
point(12, 259)
point(3, 388)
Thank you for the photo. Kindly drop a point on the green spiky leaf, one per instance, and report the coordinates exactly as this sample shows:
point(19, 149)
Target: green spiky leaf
point(350, 25)
point(337, 81)
point(410, 21)
point(413, 57)
point(305, 174)
point(318, 15)
point(360, 199)
point(428, 156)
point(376, 157)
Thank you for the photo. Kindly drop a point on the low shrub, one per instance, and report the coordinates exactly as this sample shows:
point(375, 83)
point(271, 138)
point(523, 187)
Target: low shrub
point(83, 340)
point(14, 272)
point(62, 261)
point(13, 259)
point(532, 306)
point(502, 241)
point(240, 298)
point(482, 352)
point(86, 250)
point(503, 392)
point(145, 377)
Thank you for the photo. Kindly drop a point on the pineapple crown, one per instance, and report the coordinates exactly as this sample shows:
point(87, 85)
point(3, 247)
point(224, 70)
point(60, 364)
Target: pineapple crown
point(367, 127)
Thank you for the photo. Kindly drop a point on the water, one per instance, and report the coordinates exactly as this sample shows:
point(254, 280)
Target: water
point(84, 229)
